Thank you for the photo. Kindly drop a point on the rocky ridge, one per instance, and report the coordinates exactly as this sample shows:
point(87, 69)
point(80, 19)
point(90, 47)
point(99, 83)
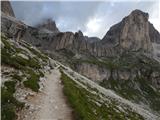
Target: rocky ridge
point(7, 8)
point(133, 33)
point(48, 24)
point(108, 62)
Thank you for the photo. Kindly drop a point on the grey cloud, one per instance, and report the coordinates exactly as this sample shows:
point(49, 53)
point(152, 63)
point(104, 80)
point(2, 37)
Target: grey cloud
point(75, 13)
point(72, 16)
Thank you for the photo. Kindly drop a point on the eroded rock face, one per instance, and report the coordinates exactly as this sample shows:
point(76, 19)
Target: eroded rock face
point(48, 24)
point(131, 34)
point(7, 8)
point(101, 73)
point(93, 72)
point(12, 27)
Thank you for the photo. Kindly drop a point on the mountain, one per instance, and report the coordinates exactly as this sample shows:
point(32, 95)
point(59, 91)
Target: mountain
point(117, 77)
point(7, 8)
point(48, 24)
point(120, 38)
point(133, 33)
point(93, 39)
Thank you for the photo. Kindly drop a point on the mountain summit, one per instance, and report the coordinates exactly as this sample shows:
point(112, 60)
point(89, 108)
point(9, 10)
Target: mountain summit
point(132, 33)
point(48, 24)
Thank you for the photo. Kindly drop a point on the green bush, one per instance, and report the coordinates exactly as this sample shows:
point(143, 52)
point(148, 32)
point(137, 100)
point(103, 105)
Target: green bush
point(32, 80)
point(8, 112)
point(10, 86)
point(8, 103)
point(17, 77)
point(32, 84)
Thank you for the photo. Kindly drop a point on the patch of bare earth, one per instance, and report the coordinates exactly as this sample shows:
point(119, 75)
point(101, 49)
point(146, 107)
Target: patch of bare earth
point(50, 104)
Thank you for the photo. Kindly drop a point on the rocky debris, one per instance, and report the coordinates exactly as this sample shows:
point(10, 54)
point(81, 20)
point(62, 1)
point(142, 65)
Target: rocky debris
point(42, 83)
point(7, 8)
point(21, 94)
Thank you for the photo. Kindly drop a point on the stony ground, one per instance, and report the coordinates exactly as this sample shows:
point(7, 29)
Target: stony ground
point(50, 104)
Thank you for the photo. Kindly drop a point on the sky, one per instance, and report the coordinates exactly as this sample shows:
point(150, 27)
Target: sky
point(93, 18)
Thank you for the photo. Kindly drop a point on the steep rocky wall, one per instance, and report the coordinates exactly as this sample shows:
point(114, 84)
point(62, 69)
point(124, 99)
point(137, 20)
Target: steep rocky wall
point(7, 8)
point(125, 69)
point(93, 72)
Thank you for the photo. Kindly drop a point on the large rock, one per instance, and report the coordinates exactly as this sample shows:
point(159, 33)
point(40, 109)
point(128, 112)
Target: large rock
point(132, 33)
point(93, 72)
point(48, 24)
point(7, 8)
point(12, 27)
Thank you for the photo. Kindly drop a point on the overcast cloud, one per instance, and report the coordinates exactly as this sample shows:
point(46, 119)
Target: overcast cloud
point(92, 18)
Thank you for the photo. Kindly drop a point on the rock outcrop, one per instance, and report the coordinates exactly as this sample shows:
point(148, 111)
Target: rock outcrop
point(131, 34)
point(48, 24)
point(7, 8)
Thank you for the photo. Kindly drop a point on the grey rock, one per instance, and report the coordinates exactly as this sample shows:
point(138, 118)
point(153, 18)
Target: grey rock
point(7, 8)
point(48, 24)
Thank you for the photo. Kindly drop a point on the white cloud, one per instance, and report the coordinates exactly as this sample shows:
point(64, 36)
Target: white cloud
point(93, 25)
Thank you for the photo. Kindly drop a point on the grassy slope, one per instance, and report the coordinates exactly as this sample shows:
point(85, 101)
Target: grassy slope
point(145, 92)
point(89, 106)
point(30, 68)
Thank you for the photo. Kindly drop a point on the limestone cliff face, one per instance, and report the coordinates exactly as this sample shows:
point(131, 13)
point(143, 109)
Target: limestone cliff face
point(7, 8)
point(48, 24)
point(12, 27)
point(131, 34)
point(93, 72)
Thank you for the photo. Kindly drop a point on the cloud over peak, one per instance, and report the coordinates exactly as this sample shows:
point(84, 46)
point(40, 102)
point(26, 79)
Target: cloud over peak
point(92, 18)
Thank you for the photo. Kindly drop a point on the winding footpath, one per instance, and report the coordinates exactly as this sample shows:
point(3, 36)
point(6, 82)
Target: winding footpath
point(51, 102)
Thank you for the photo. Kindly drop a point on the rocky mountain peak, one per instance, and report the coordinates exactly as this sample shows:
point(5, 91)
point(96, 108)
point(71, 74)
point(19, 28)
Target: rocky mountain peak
point(7, 8)
point(138, 13)
point(80, 33)
point(48, 24)
point(131, 34)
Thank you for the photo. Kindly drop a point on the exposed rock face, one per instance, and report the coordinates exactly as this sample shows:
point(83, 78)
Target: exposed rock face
point(136, 67)
point(93, 72)
point(154, 34)
point(131, 34)
point(48, 24)
point(7, 8)
point(12, 27)
point(93, 39)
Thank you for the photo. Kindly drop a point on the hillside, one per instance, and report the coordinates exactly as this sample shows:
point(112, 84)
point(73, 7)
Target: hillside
point(84, 95)
point(49, 74)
